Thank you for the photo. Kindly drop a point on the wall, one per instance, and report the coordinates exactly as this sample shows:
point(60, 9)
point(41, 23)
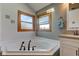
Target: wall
point(0, 22)
point(60, 10)
point(9, 30)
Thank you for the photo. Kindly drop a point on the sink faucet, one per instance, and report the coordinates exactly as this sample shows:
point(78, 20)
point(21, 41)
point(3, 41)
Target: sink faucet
point(29, 45)
point(76, 32)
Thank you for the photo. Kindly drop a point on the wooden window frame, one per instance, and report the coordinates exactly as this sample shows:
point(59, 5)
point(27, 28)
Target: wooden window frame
point(19, 22)
point(50, 21)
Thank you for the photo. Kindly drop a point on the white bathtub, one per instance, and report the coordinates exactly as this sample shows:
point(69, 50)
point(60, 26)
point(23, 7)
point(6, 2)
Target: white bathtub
point(44, 46)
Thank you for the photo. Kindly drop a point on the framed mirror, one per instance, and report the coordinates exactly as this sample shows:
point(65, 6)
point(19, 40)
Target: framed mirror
point(73, 17)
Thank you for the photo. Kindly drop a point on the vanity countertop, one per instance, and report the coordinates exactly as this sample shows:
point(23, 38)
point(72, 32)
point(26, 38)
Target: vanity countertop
point(69, 36)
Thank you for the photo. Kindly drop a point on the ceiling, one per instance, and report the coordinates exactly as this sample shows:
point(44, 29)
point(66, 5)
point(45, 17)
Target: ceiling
point(37, 6)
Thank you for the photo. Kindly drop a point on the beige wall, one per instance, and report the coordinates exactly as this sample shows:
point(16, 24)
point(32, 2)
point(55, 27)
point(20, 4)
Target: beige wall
point(60, 10)
point(0, 21)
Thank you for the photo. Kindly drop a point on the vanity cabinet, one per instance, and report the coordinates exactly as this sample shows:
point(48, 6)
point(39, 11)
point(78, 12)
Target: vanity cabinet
point(69, 46)
point(68, 50)
point(0, 53)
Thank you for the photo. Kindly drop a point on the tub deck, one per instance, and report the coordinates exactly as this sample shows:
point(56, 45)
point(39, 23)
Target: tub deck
point(50, 51)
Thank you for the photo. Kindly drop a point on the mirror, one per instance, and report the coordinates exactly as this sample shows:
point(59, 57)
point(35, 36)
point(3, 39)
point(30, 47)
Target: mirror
point(73, 17)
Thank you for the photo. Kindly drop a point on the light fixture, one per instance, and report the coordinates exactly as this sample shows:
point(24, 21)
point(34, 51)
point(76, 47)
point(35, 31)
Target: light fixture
point(72, 3)
point(50, 10)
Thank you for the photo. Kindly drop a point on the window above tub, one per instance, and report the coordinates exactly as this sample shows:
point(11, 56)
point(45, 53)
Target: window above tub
point(44, 22)
point(25, 22)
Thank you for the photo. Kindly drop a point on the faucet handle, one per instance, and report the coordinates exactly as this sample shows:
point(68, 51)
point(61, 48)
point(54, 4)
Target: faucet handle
point(76, 32)
point(33, 48)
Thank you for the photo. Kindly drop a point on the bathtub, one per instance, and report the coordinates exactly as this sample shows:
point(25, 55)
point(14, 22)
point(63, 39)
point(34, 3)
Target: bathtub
point(44, 46)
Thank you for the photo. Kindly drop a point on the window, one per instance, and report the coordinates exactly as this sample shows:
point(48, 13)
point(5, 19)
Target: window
point(25, 22)
point(45, 22)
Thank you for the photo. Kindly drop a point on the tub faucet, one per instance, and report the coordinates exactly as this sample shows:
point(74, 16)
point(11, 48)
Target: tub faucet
point(22, 46)
point(29, 45)
point(33, 48)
